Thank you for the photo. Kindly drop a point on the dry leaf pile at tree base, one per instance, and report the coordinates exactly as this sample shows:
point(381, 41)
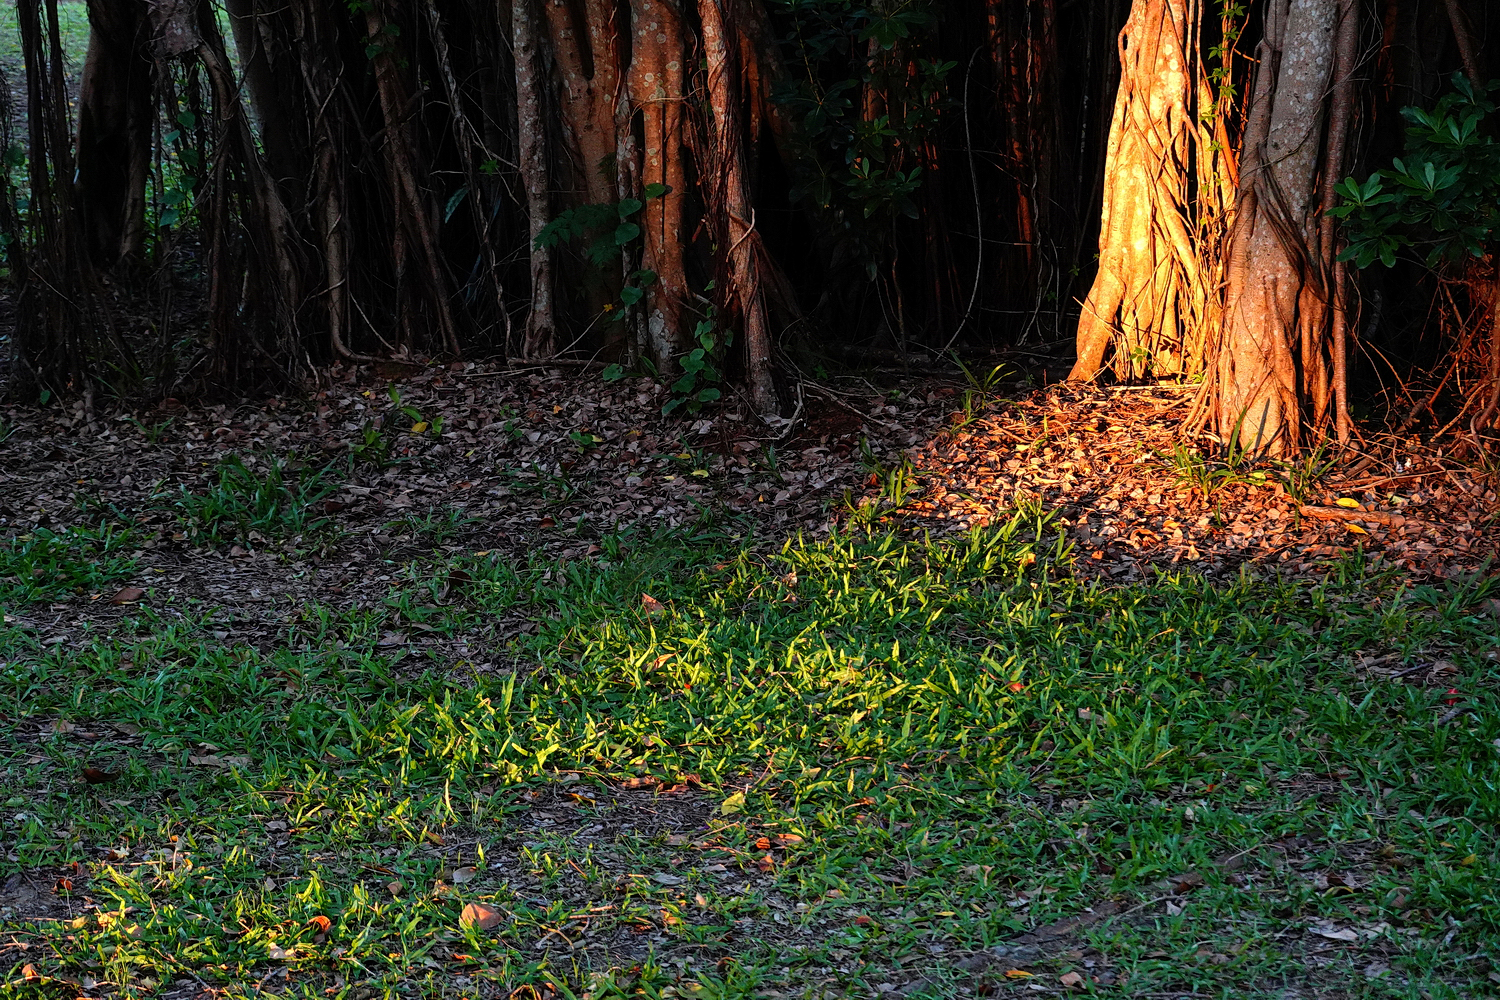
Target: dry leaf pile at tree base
point(1101, 459)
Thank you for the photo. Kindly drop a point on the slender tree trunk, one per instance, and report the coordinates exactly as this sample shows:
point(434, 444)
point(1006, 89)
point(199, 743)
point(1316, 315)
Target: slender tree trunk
point(726, 162)
point(655, 87)
point(540, 337)
point(115, 115)
point(1275, 238)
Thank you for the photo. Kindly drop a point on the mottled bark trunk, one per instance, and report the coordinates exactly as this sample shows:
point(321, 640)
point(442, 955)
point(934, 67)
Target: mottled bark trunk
point(589, 66)
point(1276, 232)
point(731, 198)
point(115, 115)
point(540, 338)
point(655, 88)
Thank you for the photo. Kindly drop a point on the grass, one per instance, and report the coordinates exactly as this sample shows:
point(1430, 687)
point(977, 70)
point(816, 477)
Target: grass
point(827, 770)
point(244, 506)
point(44, 564)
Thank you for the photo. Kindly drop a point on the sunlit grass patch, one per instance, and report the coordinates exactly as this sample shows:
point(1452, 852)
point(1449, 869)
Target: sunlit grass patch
point(836, 768)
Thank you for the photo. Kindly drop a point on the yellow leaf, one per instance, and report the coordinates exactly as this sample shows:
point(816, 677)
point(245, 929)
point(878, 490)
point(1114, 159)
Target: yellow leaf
point(1356, 529)
point(701, 473)
point(419, 427)
point(735, 803)
point(1470, 859)
point(1347, 502)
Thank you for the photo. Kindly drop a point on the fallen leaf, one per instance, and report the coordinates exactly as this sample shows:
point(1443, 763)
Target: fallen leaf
point(1335, 933)
point(735, 803)
point(62, 726)
point(652, 606)
point(766, 863)
point(462, 876)
point(1356, 528)
point(787, 839)
point(29, 973)
point(216, 760)
point(321, 922)
point(1071, 980)
point(548, 522)
point(1348, 502)
point(419, 427)
point(1019, 974)
point(863, 921)
point(63, 885)
point(665, 879)
point(277, 953)
point(94, 776)
point(394, 888)
point(763, 844)
point(479, 917)
point(128, 595)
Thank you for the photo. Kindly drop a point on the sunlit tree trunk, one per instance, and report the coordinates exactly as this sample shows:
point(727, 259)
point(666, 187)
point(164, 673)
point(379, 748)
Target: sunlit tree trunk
point(1271, 357)
point(1155, 292)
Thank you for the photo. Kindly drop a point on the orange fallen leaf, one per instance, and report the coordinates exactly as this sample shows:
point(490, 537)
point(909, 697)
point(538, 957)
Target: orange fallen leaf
point(1019, 974)
point(479, 916)
point(863, 921)
point(651, 605)
point(29, 973)
point(1071, 980)
point(766, 863)
point(763, 844)
point(321, 922)
point(787, 839)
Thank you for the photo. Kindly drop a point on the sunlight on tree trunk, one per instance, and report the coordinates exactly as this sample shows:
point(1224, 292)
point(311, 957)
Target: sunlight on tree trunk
point(1156, 291)
point(1276, 306)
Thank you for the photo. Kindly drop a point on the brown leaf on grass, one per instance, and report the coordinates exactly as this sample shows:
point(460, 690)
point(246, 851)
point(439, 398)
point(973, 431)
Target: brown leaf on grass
point(29, 973)
point(463, 876)
point(321, 922)
point(94, 776)
point(652, 606)
point(766, 863)
point(62, 726)
point(1071, 980)
point(786, 839)
point(480, 917)
point(127, 595)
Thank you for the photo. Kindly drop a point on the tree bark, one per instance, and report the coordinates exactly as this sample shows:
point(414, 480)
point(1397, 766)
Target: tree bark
point(1151, 291)
point(726, 166)
point(1276, 231)
point(655, 88)
point(540, 338)
point(115, 116)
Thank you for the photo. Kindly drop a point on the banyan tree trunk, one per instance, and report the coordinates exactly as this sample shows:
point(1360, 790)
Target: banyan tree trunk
point(1273, 367)
point(729, 197)
point(1155, 291)
point(655, 88)
point(115, 114)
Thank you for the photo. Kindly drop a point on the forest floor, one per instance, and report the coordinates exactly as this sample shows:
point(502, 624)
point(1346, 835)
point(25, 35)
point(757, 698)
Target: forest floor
point(479, 682)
